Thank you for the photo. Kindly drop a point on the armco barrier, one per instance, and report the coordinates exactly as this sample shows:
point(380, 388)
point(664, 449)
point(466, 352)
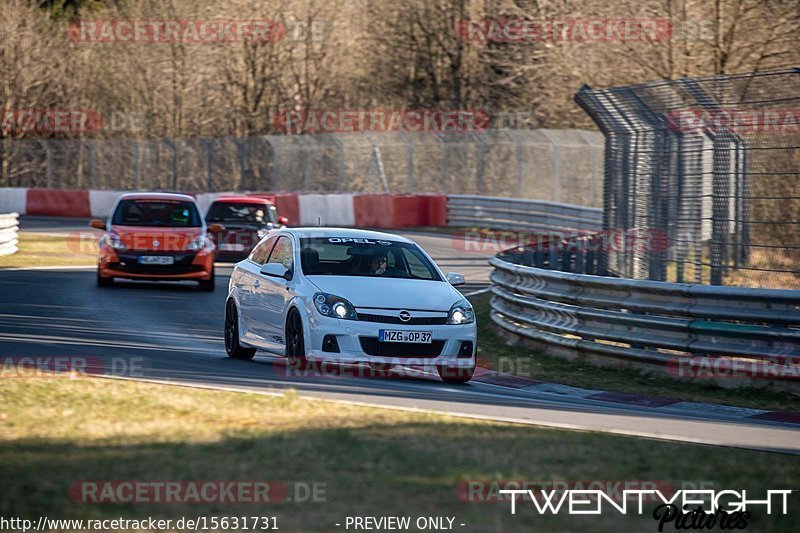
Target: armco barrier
point(520, 214)
point(729, 335)
point(9, 227)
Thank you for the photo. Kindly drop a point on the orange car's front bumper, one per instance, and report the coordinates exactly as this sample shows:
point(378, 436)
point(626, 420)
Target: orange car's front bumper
point(120, 265)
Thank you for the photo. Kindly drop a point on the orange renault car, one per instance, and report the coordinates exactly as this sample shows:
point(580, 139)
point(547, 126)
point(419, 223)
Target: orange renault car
point(156, 236)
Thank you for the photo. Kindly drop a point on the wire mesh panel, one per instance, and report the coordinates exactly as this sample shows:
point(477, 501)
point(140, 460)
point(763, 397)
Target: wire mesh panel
point(553, 165)
point(708, 169)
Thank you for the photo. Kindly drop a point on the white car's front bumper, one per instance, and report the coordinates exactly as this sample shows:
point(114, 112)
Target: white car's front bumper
point(358, 343)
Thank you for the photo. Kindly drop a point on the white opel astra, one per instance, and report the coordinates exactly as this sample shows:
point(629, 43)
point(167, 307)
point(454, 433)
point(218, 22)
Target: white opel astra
point(349, 296)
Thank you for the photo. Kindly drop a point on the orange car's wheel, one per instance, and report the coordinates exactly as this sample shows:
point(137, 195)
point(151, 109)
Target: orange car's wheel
point(207, 285)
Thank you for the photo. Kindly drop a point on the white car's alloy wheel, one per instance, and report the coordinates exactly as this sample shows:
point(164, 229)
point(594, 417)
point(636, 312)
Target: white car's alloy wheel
point(295, 343)
point(232, 346)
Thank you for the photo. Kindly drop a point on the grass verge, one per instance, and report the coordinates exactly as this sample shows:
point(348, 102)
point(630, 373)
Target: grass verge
point(50, 250)
point(57, 432)
point(521, 361)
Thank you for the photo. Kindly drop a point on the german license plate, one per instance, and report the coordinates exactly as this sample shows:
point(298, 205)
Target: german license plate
point(231, 247)
point(417, 337)
point(156, 260)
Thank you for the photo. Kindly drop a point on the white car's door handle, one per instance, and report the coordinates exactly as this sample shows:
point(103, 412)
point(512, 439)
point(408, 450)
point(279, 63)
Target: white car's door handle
point(256, 284)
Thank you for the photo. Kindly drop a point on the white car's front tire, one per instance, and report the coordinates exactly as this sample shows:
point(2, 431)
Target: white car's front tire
point(295, 341)
point(232, 346)
point(455, 374)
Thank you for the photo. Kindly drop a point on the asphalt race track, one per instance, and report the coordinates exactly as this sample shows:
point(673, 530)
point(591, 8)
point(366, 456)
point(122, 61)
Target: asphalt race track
point(172, 332)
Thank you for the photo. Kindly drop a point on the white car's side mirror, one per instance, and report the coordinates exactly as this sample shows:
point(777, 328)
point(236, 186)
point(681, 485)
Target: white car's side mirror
point(275, 270)
point(454, 278)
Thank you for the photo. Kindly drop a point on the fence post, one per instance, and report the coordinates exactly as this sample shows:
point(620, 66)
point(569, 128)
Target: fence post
point(479, 174)
point(445, 163)
point(136, 167)
point(409, 163)
point(340, 169)
point(306, 164)
point(174, 149)
point(48, 162)
point(91, 147)
point(278, 177)
point(556, 165)
point(206, 143)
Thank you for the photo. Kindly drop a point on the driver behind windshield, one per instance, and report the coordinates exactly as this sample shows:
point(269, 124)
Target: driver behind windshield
point(378, 267)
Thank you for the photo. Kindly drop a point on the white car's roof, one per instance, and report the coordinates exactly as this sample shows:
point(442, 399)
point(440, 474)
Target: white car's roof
point(345, 232)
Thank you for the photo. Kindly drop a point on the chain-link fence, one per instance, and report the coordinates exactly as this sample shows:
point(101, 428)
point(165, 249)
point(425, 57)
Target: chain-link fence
point(557, 165)
point(708, 168)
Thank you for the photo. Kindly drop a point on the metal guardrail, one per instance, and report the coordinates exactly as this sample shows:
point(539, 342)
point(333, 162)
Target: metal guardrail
point(9, 228)
point(649, 323)
point(520, 214)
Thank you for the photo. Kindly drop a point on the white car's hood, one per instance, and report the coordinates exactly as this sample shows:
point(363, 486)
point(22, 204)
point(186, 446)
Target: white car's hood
point(362, 291)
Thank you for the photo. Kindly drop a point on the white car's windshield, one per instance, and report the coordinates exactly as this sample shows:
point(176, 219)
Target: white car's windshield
point(347, 256)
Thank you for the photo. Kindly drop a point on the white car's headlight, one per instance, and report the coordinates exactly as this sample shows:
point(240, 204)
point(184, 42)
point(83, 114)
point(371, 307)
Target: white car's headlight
point(461, 313)
point(198, 243)
point(334, 306)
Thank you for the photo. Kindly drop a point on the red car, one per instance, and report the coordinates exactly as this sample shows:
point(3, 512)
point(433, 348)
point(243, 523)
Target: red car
point(156, 236)
point(246, 219)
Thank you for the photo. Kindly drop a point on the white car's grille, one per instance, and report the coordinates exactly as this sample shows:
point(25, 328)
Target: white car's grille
point(413, 321)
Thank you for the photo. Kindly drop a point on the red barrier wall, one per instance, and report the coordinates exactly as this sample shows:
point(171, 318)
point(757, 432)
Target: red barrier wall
point(389, 211)
point(420, 210)
point(289, 207)
point(399, 211)
point(58, 203)
point(437, 210)
point(373, 211)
